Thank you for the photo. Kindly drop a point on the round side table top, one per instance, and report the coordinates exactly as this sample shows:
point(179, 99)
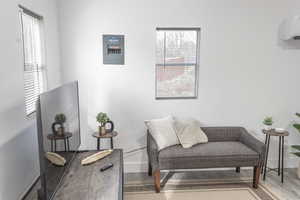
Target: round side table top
point(106, 135)
point(272, 132)
point(59, 137)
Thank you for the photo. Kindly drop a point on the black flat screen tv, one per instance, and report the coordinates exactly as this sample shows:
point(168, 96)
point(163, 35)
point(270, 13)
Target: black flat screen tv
point(58, 124)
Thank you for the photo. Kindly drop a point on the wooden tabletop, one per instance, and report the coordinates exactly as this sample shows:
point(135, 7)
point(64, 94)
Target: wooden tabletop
point(59, 137)
point(273, 132)
point(106, 135)
point(89, 183)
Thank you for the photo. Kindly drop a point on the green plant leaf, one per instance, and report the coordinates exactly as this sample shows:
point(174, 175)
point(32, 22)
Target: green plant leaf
point(296, 147)
point(297, 114)
point(297, 126)
point(297, 154)
point(61, 118)
point(268, 121)
point(102, 118)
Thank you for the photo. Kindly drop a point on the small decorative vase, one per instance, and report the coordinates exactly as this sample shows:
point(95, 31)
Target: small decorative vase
point(298, 171)
point(61, 131)
point(102, 130)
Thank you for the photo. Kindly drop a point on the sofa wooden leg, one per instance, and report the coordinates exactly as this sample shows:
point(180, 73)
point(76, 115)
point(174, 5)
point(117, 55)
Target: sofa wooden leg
point(237, 169)
point(149, 169)
point(157, 180)
point(256, 174)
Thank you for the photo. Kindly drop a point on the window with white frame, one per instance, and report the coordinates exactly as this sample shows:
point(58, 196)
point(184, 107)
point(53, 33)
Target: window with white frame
point(177, 57)
point(34, 69)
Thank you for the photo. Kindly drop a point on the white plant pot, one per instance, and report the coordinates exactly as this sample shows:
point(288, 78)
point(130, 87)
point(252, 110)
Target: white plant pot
point(266, 127)
point(298, 170)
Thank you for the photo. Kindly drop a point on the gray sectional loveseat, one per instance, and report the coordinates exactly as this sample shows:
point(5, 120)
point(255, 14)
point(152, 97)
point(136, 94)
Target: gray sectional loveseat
point(226, 147)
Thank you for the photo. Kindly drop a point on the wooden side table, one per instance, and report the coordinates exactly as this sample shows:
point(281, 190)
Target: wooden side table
point(280, 168)
point(110, 136)
point(65, 137)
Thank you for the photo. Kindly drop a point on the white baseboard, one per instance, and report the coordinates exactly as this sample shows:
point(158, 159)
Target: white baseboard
point(204, 169)
point(134, 167)
point(29, 187)
point(288, 163)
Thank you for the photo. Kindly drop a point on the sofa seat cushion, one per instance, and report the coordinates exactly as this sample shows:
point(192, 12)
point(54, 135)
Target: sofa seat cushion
point(211, 154)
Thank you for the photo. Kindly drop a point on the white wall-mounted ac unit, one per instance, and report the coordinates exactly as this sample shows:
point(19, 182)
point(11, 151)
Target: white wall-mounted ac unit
point(290, 29)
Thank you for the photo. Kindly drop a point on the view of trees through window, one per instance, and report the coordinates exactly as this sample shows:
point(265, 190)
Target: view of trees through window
point(176, 63)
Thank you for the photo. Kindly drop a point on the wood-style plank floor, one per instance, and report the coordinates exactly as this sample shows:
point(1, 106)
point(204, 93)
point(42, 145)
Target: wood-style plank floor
point(290, 190)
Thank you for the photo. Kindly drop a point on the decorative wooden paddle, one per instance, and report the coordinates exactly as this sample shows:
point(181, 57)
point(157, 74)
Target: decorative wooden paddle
point(97, 156)
point(55, 159)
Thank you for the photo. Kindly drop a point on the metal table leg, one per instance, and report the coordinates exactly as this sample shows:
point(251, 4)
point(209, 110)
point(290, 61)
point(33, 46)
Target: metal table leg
point(98, 144)
point(51, 145)
point(65, 142)
point(68, 144)
point(282, 157)
point(111, 143)
point(54, 145)
point(279, 159)
point(266, 158)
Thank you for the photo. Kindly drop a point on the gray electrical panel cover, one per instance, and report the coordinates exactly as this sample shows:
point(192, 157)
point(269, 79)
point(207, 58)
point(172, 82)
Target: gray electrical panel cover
point(113, 49)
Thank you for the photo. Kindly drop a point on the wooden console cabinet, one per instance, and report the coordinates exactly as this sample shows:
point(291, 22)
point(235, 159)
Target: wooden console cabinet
point(89, 183)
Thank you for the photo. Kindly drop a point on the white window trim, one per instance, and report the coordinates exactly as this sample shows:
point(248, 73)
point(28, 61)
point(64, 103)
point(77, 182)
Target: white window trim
point(198, 30)
point(43, 68)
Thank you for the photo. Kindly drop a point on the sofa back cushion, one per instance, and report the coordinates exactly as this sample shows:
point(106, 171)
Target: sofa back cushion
point(189, 132)
point(219, 134)
point(163, 132)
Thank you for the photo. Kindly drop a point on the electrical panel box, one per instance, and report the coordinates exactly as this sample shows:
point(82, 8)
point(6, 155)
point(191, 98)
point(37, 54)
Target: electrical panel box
point(113, 49)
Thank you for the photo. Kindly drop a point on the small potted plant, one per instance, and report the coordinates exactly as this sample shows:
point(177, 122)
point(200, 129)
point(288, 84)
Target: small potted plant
point(59, 120)
point(268, 121)
point(102, 119)
point(297, 147)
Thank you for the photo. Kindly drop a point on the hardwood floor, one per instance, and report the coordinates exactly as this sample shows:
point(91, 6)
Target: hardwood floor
point(290, 190)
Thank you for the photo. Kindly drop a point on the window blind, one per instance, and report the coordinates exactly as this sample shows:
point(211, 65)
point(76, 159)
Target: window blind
point(176, 47)
point(33, 62)
point(177, 57)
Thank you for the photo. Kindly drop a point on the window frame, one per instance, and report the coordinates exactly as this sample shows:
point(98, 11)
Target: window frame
point(196, 65)
point(40, 69)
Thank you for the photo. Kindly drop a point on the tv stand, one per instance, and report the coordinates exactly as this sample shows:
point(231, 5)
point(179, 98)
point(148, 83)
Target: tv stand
point(89, 183)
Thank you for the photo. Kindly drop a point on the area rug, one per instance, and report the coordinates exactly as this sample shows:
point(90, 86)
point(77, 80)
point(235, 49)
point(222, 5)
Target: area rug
point(211, 194)
point(198, 189)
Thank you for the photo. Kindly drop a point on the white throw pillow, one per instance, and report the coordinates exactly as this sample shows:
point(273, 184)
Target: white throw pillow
point(162, 130)
point(189, 132)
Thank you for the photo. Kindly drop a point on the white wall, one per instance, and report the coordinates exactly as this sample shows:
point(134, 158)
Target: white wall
point(18, 138)
point(244, 73)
